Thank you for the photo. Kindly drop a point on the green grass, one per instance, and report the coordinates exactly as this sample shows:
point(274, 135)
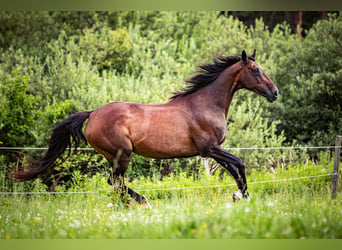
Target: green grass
point(288, 209)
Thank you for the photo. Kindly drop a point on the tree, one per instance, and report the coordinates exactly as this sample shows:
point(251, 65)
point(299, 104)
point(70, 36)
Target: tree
point(310, 80)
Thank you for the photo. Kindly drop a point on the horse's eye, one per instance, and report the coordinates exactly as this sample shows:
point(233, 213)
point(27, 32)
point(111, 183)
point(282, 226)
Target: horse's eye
point(256, 71)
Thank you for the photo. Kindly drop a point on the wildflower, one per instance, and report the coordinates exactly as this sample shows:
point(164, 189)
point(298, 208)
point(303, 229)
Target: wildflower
point(110, 205)
point(76, 224)
point(270, 204)
point(210, 211)
point(60, 211)
point(204, 225)
point(228, 205)
point(36, 219)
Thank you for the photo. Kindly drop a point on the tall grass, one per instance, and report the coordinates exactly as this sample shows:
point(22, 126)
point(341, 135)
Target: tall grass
point(183, 207)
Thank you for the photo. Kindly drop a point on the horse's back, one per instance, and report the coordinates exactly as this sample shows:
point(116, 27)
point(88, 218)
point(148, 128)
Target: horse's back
point(156, 131)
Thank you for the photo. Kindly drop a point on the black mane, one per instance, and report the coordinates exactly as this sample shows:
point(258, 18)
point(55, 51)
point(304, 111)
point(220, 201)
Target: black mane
point(206, 74)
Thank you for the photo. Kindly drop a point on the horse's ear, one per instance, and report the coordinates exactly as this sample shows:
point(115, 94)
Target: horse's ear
point(253, 55)
point(244, 56)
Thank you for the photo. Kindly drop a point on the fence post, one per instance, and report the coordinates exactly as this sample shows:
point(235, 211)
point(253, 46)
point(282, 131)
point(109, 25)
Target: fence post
point(335, 175)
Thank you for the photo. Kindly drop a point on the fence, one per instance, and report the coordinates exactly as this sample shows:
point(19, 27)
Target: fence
point(334, 174)
point(336, 166)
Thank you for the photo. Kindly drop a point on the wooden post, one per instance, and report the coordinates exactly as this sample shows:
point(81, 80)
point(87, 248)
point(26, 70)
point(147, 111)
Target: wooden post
point(335, 175)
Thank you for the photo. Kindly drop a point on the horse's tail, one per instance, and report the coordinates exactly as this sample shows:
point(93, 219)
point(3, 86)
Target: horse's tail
point(65, 134)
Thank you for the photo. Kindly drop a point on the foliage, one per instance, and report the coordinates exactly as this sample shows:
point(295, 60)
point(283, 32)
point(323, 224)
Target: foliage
point(101, 47)
point(31, 30)
point(17, 111)
point(311, 85)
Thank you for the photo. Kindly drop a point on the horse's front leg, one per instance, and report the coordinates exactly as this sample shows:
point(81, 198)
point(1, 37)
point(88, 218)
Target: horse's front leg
point(234, 165)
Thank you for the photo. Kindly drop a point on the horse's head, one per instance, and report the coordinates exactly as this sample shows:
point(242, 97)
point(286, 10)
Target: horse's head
point(254, 78)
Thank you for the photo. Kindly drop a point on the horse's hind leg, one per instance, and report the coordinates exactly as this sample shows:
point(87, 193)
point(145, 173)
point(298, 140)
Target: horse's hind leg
point(119, 167)
point(117, 149)
point(120, 186)
point(138, 197)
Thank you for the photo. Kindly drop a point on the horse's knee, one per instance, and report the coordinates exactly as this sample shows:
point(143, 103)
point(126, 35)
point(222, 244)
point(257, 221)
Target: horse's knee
point(239, 163)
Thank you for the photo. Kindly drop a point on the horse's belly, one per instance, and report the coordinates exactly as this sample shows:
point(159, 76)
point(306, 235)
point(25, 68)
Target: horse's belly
point(165, 146)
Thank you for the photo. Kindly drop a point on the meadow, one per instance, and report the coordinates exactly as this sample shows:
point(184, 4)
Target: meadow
point(279, 206)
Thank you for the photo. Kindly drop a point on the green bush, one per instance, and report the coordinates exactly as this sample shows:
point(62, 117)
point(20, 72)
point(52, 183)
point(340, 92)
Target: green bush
point(17, 111)
point(310, 81)
point(101, 47)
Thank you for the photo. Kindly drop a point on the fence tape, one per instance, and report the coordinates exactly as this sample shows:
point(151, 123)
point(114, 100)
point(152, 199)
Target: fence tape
point(33, 148)
point(176, 188)
point(251, 148)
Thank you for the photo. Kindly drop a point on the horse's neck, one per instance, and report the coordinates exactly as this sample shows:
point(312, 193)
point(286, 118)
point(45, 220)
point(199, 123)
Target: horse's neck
point(219, 94)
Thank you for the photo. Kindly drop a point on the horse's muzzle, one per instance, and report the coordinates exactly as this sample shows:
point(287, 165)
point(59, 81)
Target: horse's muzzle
point(273, 94)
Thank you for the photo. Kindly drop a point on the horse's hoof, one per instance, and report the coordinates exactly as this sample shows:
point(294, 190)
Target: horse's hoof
point(146, 204)
point(246, 195)
point(237, 195)
point(128, 204)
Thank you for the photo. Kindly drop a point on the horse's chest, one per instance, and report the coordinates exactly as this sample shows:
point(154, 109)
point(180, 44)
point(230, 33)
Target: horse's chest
point(220, 133)
point(215, 130)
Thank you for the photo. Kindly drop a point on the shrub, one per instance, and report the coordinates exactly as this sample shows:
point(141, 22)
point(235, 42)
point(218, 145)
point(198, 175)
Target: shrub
point(17, 111)
point(310, 80)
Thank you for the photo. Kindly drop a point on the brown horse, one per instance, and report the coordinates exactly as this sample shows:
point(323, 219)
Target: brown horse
point(192, 123)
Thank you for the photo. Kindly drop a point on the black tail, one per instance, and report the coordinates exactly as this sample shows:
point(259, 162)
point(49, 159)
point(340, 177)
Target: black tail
point(65, 134)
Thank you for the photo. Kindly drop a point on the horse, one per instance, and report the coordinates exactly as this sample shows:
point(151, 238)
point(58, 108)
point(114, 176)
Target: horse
point(193, 122)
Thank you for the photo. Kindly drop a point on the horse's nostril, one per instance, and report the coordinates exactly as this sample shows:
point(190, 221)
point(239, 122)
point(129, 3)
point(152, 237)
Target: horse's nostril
point(275, 93)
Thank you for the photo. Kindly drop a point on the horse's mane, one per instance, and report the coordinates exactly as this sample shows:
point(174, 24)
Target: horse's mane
point(206, 74)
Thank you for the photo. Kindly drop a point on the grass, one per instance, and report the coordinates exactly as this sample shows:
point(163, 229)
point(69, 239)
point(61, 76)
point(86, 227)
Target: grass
point(288, 209)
